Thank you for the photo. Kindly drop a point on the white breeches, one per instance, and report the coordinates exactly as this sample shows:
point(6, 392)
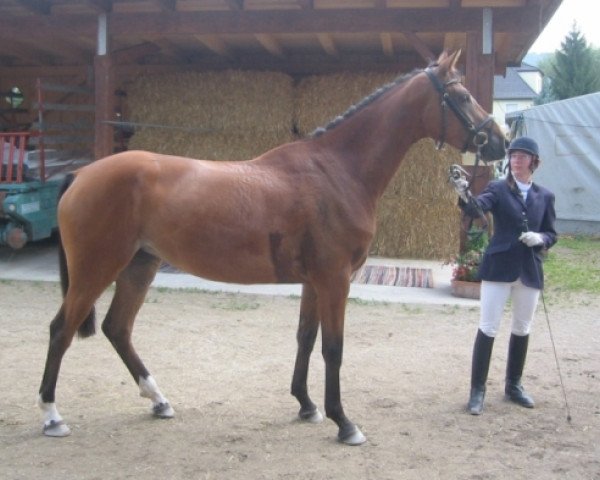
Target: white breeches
point(494, 296)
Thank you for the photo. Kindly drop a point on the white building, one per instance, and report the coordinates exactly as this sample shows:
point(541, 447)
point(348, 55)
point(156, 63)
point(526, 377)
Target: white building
point(516, 91)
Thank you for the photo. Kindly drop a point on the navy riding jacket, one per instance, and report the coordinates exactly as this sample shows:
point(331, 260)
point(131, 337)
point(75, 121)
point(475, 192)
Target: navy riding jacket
point(507, 258)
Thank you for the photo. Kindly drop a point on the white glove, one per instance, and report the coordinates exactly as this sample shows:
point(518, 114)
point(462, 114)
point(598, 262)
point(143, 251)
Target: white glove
point(532, 239)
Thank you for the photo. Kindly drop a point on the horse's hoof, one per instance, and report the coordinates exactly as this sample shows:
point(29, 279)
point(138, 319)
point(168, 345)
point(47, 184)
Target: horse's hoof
point(163, 410)
point(353, 437)
point(56, 429)
point(311, 416)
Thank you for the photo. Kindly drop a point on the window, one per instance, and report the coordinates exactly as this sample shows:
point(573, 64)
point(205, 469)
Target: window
point(15, 97)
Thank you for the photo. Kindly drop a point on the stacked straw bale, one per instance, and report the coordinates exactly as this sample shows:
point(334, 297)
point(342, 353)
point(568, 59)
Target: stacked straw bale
point(230, 115)
point(417, 216)
point(319, 98)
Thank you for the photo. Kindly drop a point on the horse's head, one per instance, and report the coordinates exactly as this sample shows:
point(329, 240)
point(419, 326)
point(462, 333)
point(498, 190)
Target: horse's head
point(455, 117)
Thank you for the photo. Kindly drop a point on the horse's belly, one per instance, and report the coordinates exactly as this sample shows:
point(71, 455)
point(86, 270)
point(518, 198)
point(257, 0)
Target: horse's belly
point(232, 270)
point(231, 265)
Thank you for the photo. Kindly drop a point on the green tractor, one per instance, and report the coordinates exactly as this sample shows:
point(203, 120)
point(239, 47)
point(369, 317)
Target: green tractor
point(28, 200)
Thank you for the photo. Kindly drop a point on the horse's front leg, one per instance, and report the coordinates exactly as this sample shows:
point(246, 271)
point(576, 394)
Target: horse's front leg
point(331, 308)
point(308, 327)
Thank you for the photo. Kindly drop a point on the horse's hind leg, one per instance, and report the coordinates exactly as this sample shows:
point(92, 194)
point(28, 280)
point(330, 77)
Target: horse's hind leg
point(308, 327)
point(131, 287)
point(73, 312)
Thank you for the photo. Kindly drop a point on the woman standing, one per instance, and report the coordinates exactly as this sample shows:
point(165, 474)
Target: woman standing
point(523, 214)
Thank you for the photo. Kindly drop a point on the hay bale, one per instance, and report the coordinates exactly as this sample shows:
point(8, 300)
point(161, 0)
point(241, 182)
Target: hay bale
point(417, 216)
point(319, 98)
point(209, 146)
point(221, 101)
point(233, 106)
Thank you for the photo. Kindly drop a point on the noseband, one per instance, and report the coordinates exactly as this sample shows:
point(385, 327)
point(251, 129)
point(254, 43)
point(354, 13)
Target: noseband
point(475, 133)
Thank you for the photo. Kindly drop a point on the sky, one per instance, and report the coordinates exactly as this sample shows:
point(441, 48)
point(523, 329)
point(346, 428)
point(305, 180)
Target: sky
point(560, 25)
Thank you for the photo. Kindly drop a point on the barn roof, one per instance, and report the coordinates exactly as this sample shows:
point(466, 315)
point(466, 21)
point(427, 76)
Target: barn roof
point(297, 36)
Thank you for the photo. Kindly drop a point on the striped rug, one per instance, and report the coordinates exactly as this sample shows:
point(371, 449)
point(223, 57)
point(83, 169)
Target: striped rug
point(394, 276)
point(373, 275)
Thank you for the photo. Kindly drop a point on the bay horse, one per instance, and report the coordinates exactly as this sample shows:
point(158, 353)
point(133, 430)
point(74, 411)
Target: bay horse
point(303, 212)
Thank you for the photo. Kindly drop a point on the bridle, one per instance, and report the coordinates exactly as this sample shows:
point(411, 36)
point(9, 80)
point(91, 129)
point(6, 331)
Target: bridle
point(476, 135)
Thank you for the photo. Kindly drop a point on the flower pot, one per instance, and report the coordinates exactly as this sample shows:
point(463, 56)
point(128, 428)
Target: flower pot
point(464, 289)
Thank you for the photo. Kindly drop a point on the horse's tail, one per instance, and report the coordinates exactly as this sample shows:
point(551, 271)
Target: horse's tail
point(88, 327)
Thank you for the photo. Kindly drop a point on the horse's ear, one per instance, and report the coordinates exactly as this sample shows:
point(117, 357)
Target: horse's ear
point(447, 62)
point(454, 59)
point(443, 56)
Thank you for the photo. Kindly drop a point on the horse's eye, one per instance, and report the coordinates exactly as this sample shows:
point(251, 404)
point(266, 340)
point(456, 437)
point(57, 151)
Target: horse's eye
point(466, 98)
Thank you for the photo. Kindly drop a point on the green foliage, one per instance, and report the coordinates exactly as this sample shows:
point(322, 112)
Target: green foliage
point(573, 71)
point(547, 67)
point(466, 264)
point(573, 265)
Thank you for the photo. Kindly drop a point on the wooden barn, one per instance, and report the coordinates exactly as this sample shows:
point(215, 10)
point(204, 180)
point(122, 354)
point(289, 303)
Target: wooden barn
point(229, 79)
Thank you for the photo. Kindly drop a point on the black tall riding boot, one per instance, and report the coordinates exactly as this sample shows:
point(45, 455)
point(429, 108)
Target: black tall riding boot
point(517, 352)
point(482, 353)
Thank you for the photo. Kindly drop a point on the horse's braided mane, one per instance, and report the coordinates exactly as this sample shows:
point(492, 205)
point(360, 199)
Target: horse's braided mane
point(365, 101)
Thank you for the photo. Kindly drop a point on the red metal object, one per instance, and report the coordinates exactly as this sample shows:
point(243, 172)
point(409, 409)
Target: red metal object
point(12, 156)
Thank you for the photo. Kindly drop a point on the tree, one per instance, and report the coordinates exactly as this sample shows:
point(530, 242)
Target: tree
point(546, 65)
point(574, 71)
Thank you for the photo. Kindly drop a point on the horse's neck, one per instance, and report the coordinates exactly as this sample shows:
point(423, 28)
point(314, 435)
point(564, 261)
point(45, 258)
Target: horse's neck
point(371, 144)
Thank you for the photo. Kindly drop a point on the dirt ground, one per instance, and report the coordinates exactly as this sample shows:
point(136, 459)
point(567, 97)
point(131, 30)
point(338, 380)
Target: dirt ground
point(225, 363)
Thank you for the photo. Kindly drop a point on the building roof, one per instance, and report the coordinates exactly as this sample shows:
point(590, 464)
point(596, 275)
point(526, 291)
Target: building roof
point(294, 35)
point(512, 86)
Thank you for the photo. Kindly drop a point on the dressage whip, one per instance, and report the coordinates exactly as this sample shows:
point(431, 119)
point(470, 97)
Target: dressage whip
point(562, 384)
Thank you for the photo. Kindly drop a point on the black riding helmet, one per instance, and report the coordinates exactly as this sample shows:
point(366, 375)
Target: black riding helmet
point(528, 145)
point(524, 144)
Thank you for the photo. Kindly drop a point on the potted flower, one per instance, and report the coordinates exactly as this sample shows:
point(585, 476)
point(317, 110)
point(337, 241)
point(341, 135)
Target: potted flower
point(465, 265)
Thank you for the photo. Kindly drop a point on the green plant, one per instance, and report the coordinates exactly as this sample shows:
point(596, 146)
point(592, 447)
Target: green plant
point(466, 264)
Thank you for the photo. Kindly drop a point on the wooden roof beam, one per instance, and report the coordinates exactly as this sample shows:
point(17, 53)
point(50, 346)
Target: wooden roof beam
point(328, 44)
point(270, 45)
point(433, 20)
point(306, 4)
point(168, 49)
point(40, 7)
point(235, 4)
point(420, 46)
point(387, 44)
point(20, 50)
point(215, 44)
point(101, 6)
point(133, 54)
point(168, 5)
point(66, 49)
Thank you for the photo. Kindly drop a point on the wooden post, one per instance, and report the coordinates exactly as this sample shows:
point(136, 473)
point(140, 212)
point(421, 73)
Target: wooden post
point(479, 71)
point(104, 88)
point(479, 79)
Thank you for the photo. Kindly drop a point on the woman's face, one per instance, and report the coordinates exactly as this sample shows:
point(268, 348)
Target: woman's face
point(520, 163)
